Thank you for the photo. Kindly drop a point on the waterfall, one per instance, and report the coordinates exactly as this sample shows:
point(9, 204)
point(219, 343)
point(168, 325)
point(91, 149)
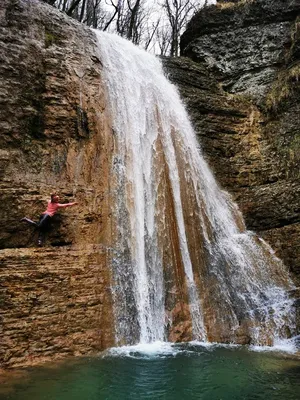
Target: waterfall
point(182, 252)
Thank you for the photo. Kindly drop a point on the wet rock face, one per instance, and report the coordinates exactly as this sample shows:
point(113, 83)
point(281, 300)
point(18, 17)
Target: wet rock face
point(54, 136)
point(244, 43)
point(251, 139)
point(54, 132)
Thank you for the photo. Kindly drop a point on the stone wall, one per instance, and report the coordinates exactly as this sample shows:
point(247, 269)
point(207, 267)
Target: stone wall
point(55, 135)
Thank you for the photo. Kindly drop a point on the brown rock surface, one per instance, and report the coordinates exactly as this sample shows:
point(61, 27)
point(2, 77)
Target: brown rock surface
point(54, 303)
point(54, 135)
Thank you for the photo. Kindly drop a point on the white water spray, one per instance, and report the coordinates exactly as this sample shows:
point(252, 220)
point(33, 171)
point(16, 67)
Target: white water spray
point(149, 122)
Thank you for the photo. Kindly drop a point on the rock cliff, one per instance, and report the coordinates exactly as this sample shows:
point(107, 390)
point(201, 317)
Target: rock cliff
point(242, 91)
point(56, 136)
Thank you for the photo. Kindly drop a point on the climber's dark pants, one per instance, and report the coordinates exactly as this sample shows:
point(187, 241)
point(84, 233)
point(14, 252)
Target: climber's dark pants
point(42, 226)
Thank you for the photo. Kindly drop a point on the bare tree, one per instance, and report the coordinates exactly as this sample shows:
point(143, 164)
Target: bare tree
point(51, 2)
point(73, 8)
point(150, 33)
point(112, 16)
point(178, 12)
point(163, 39)
point(91, 12)
point(137, 20)
point(127, 18)
point(134, 11)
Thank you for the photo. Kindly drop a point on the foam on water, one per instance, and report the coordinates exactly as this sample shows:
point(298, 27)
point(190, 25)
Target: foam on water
point(213, 345)
point(284, 346)
point(166, 349)
point(148, 350)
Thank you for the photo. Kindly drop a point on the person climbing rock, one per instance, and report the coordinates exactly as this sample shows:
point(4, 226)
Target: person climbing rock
point(44, 222)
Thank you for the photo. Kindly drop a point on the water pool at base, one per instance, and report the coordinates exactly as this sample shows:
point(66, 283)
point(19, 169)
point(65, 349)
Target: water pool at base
point(163, 371)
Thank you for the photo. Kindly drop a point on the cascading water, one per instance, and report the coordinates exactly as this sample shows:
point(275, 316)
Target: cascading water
point(179, 239)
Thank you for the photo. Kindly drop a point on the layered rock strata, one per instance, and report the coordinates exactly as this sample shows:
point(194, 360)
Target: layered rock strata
point(250, 138)
point(245, 43)
point(54, 136)
point(54, 302)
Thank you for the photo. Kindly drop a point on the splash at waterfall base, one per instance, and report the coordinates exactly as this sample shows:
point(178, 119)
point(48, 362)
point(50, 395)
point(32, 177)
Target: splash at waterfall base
point(171, 372)
point(170, 215)
point(154, 253)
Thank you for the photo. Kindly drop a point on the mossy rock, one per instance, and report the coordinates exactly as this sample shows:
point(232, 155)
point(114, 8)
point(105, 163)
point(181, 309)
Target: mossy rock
point(50, 39)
